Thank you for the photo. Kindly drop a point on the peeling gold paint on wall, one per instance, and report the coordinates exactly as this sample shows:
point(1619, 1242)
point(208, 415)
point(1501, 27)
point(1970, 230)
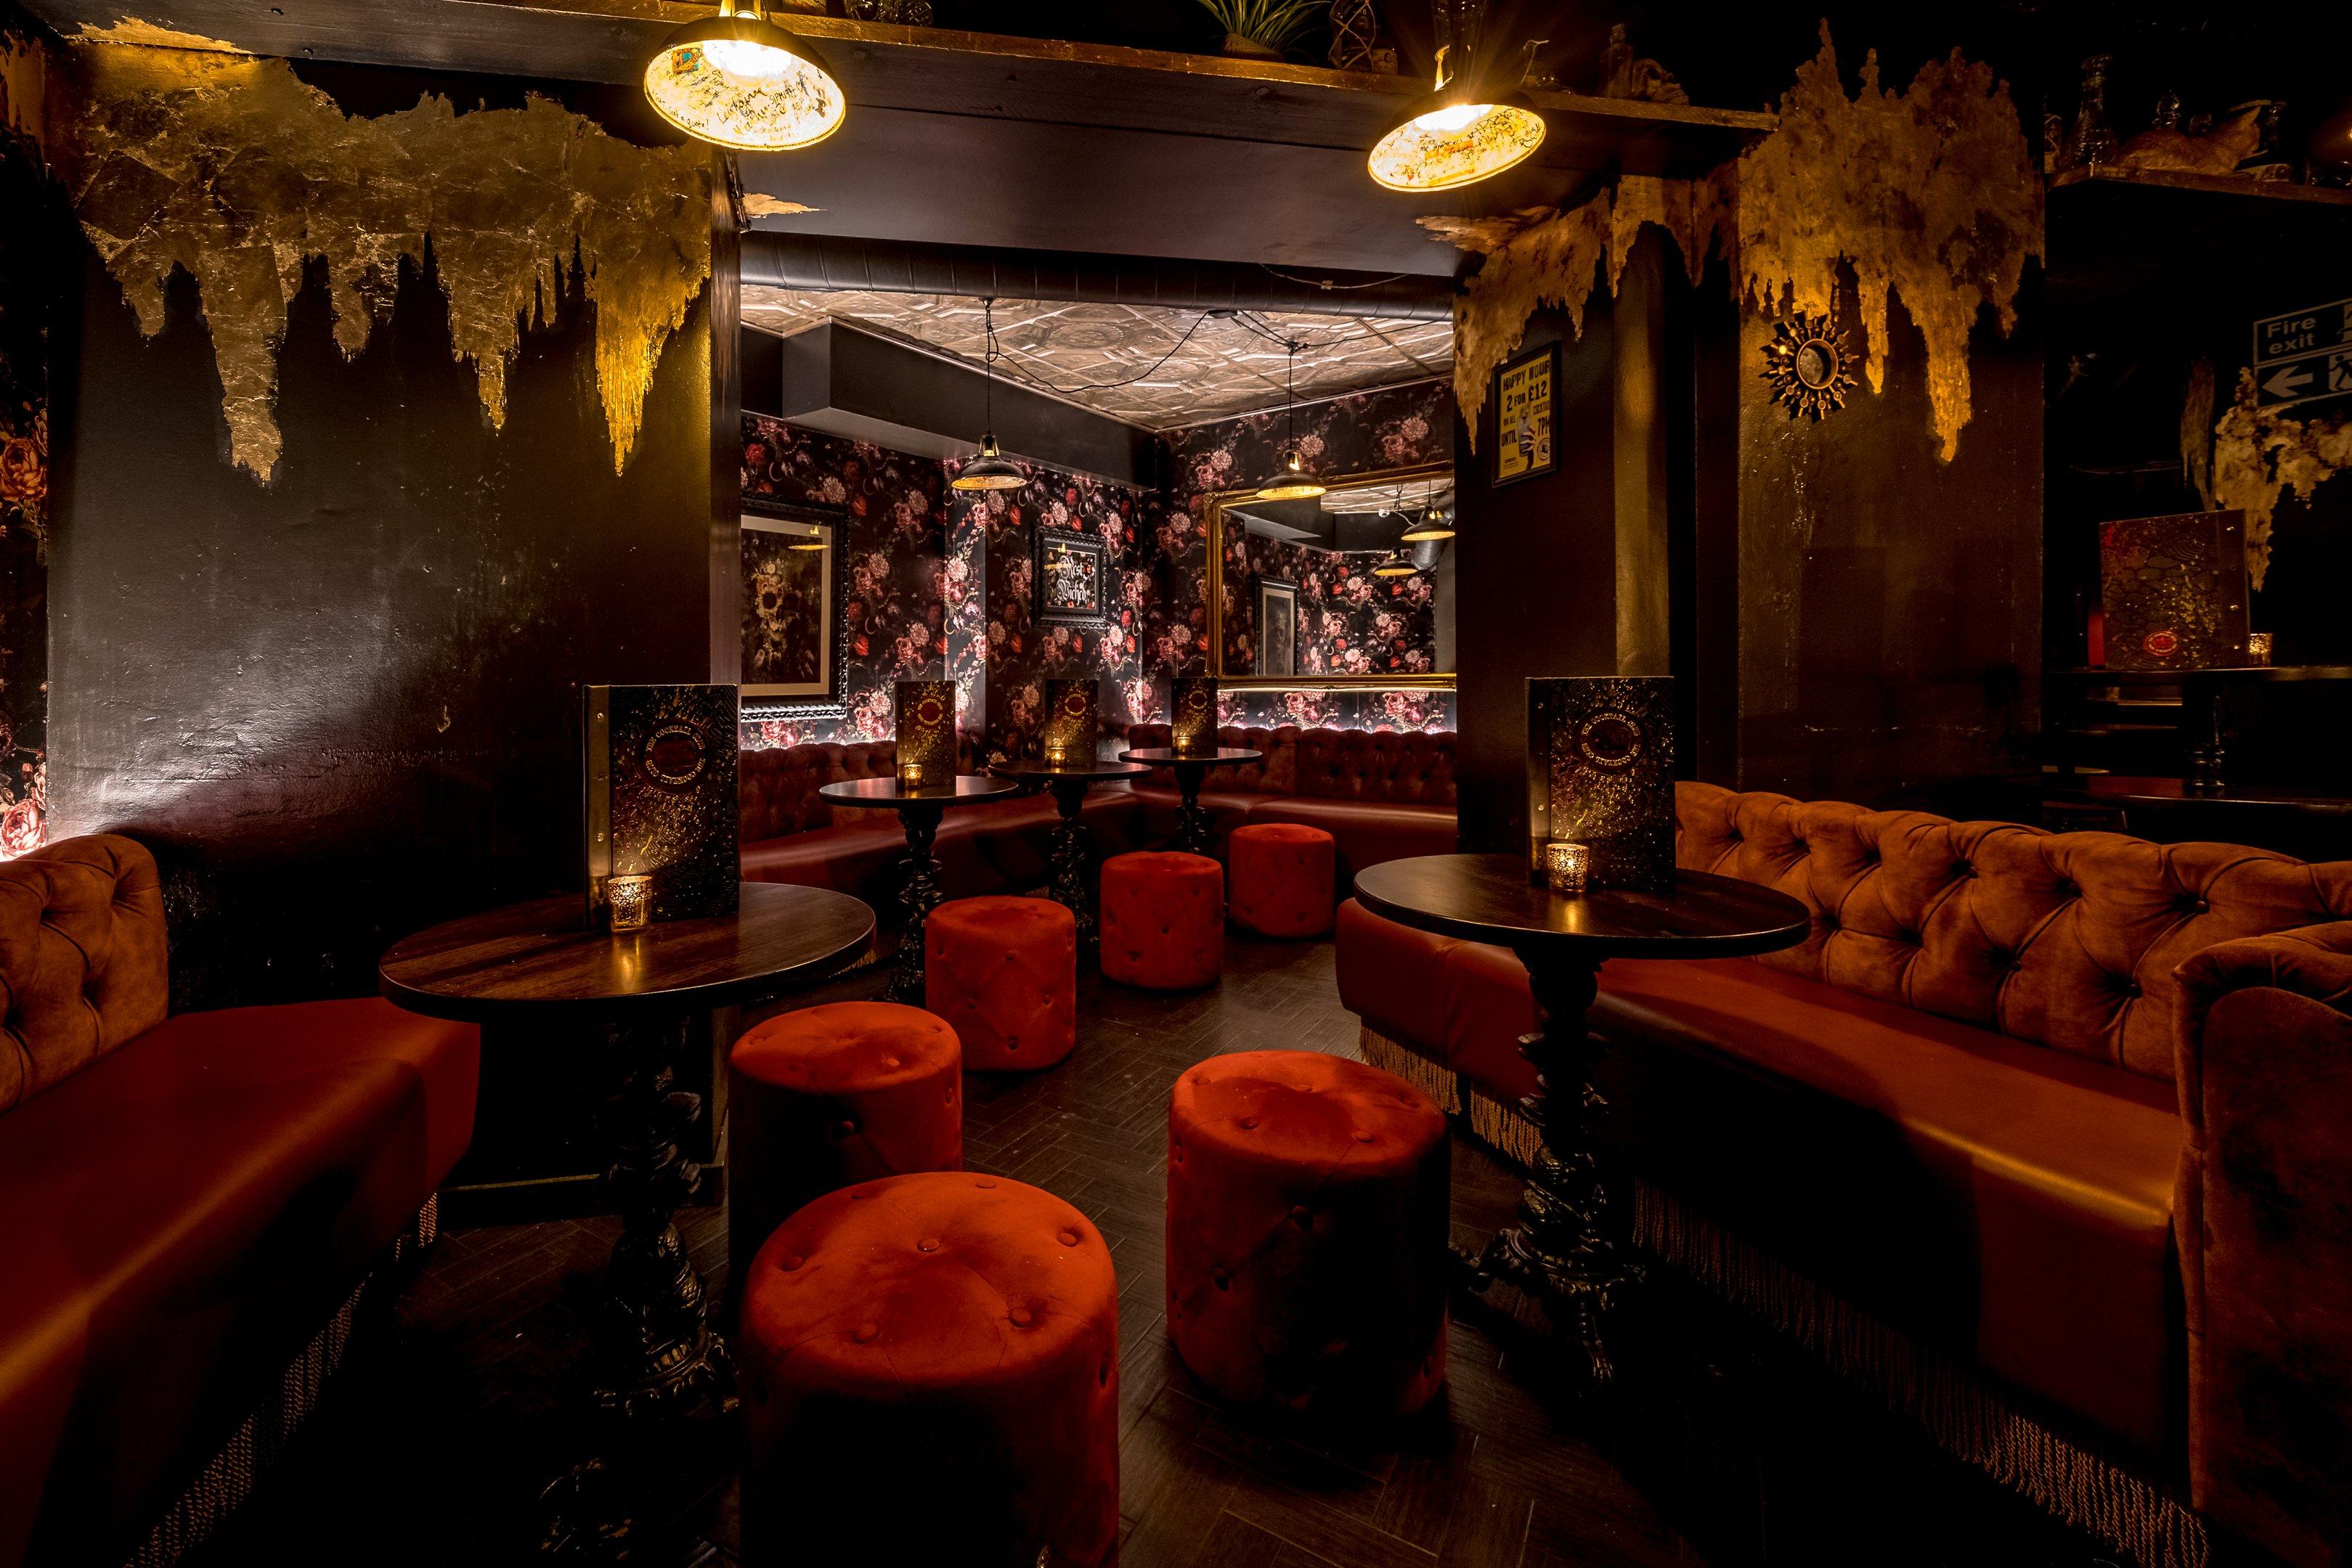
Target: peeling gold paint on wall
point(1929, 194)
point(2260, 454)
point(130, 30)
point(233, 168)
point(23, 69)
point(1539, 257)
point(2197, 432)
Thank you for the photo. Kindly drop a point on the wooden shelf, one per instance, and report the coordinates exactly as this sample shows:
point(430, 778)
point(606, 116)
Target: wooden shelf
point(2230, 186)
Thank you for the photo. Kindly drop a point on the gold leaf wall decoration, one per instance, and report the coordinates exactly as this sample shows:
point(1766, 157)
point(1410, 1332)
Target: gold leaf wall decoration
point(233, 168)
point(2261, 454)
point(1929, 194)
point(1540, 257)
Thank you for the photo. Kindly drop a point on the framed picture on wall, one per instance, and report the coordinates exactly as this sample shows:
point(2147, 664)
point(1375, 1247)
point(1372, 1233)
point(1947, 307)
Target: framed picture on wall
point(795, 626)
point(1277, 626)
point(1073, 580)
point(1527, 415)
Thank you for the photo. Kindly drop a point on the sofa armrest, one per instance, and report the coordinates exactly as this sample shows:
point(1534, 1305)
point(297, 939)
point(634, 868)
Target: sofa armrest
point(2263, 1217)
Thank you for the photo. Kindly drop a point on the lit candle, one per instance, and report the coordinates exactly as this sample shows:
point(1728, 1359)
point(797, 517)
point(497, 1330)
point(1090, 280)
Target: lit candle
point(910, 774)
point(1057, 754)
point(2258, 647)
point(630, 901)
point(1565, 864)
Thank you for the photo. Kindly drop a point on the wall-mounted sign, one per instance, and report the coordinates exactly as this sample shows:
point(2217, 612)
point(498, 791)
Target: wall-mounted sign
point(1527, 416)
point(2303, 355)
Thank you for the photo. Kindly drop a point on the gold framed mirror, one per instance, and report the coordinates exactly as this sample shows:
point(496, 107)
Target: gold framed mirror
point(1357, 604)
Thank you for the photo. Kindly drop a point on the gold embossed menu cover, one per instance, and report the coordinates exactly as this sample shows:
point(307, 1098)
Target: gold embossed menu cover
point(1600, 772)
point(661, 797)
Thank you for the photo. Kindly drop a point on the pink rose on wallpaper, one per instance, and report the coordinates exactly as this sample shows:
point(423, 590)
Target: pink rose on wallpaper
point(24, 471)
point(832, 490)
point(21, 830)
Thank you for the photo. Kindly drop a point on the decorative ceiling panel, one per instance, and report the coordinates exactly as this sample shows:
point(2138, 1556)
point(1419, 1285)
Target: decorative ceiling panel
point(1177, 367)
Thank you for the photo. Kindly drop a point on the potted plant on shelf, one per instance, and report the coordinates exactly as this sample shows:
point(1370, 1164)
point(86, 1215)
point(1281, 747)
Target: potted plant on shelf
point(1261, 29)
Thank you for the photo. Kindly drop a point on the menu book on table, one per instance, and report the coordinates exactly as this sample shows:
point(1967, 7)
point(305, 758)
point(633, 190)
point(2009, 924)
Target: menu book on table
point(659, 771)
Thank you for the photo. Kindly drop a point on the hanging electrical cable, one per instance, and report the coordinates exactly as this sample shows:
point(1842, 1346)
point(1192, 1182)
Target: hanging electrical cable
point(1293, 482)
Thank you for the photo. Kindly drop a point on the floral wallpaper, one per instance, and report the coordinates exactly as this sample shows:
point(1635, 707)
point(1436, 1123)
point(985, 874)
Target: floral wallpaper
point(1390, 428)
point(1022, 656)
point(1351, 623)
point(1337, 710)
point(937, 579)
point(31, 214)
point(906, 584)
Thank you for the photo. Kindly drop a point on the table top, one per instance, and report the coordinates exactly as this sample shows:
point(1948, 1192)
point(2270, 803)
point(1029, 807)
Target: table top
point(541, 960)
point(1166, 755)
point(1036, 769)
point(964, 790)
point(1488, 898)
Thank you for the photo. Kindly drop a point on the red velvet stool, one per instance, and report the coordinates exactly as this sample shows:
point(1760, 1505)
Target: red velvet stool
point(1306, 1233)
point(1283, 877)
point(930, 1375)
point(1163, 920)
point(830, 1095)
point(1004, 973)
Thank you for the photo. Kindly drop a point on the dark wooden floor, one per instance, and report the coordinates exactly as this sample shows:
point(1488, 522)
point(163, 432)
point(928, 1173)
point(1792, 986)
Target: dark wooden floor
point(1721, 1447)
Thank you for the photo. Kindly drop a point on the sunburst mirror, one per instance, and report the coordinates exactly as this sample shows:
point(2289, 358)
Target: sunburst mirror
point(1808, 365)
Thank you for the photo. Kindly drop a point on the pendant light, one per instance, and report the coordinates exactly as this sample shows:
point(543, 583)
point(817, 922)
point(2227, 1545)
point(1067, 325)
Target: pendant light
point(1459, 134)
point(1436, 523)
point(992, 470)
point(1293, 482)
point(1396, 564)
point(741, 81)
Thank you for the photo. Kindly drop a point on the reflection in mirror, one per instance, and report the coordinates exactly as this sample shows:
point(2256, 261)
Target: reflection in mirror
point(1352, 585)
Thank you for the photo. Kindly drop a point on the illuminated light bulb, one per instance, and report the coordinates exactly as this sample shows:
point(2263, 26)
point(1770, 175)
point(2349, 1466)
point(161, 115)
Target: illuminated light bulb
point(752, 61)
point(739, 80)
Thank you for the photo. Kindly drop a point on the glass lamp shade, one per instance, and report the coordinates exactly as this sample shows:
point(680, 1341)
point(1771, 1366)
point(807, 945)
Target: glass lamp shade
point(741, 81)
point(1455, 137)
point(1293, 482)
point(992, 470)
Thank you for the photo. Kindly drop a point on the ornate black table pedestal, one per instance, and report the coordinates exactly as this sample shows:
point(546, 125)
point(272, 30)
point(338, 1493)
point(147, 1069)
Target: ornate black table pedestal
point(655, 1356)
point(1191, 768)
point(1569, 1253)
point(919, 810)
point(1068, 782)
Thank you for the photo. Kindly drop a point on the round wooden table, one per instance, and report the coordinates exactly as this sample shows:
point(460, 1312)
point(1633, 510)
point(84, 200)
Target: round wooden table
point(1191, 768)
point(639, 991)
point(919, 810)
point(1068, 782)
point(1566, 1253)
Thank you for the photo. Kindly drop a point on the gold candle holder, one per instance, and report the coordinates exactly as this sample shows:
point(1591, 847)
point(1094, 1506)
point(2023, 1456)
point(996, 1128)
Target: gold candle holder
point(1565, 864)
point(1058, 756)
point(910, 775)
point(2258, 647)
point(628, 900)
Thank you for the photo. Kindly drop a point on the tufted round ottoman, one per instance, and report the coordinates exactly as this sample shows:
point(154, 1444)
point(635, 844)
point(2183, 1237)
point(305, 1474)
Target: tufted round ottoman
point(1163, 920)
point(1282, 874)
point(930, 1375)
point(1306, 1233)
point(1004, 973)
point(830, 1095)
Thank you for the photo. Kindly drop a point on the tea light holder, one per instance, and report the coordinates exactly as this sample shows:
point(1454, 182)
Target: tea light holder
point(628, 902)
point(1565, 865)
point(910, 775)
point(2258, 648)
point(1056, 755)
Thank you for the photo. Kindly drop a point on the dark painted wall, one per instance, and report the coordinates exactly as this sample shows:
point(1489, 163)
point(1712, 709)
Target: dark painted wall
point(1889, 603)
point(344, 706)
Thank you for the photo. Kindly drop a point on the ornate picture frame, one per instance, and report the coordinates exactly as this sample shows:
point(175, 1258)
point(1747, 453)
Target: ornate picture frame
point(1276, 601)
point(777, 564)
point(1073, 580)
point(1525, 401)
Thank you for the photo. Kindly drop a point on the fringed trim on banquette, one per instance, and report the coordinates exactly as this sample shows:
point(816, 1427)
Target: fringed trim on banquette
point(1962, 1413)
point(228, 1477)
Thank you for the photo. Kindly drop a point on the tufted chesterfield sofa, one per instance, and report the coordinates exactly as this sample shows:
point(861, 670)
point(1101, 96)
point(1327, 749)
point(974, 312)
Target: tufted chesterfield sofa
point(2046, 1138)
point(1383, 795)
point(189, 1206)
point(1380, 795)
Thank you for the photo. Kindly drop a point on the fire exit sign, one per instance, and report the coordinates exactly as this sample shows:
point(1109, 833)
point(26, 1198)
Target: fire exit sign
point(2303, 355)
